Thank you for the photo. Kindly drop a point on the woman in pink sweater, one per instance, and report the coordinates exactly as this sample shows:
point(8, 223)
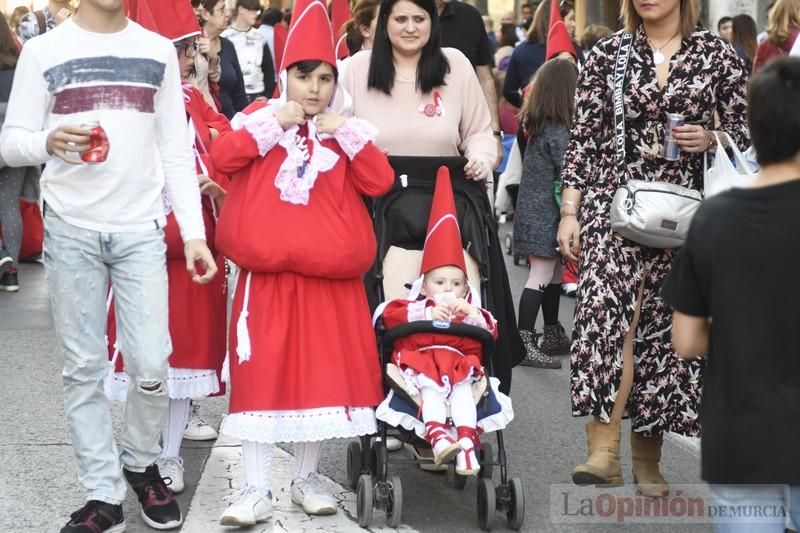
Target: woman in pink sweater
point(424, 99)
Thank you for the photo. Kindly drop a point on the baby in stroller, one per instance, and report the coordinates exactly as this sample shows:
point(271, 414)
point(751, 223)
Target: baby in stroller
point(441, 373)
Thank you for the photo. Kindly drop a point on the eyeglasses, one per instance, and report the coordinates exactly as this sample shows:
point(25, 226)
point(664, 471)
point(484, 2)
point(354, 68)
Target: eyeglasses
point(189, 49)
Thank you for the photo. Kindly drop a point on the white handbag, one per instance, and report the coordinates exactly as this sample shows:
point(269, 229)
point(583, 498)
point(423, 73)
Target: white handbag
point(650, 213)
point(723, 174)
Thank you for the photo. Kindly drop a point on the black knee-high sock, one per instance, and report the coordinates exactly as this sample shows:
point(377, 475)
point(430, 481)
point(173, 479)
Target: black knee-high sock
point(550, 301)
point(529, 305)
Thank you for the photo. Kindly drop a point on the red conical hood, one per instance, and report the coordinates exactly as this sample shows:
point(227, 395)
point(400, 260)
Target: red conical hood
point(443, 242)
point(340, 14)
point(558, 39)
point(174, 19)
point(310, 36)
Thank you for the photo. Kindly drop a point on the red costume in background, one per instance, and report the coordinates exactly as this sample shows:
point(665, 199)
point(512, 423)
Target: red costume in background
point(197, 313)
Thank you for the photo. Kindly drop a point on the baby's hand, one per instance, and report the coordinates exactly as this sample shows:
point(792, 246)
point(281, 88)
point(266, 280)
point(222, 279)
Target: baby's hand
point(291, 114)
point(463, 307)
point(328, 122)
point(441, 312)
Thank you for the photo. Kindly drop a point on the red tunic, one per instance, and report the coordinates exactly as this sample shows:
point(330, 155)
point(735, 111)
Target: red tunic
point(197, 313)
point(312, 343)
point(446, 359)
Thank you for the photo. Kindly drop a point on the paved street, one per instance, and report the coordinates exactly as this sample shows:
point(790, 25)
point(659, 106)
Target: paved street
point(38, 486)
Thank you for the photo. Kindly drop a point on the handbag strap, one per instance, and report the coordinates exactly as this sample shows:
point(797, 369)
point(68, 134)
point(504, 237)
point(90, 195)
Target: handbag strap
point(623, 54)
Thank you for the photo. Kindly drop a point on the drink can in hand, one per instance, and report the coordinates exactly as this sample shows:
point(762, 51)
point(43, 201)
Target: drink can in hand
point(671, 151)
point(98, 143)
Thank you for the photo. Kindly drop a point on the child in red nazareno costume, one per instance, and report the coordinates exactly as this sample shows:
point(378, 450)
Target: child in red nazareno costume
point(197, 313)
point(303, 359)
point(440, 368)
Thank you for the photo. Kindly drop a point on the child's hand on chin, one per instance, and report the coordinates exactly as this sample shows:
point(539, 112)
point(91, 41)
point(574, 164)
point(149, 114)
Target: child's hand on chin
point(328, 122)
point(291, 114)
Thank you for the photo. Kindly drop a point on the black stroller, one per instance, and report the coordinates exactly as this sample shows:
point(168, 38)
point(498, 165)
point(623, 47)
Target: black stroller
point(401, 221)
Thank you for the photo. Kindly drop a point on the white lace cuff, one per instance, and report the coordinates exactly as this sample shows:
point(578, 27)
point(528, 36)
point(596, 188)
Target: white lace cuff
point(354, 134)
point(416, 311)
point(266, 131)
point(478, 321)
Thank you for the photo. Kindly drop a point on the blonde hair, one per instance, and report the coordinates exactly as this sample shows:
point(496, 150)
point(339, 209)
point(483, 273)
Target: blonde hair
point(690, 16)
point(783, 18)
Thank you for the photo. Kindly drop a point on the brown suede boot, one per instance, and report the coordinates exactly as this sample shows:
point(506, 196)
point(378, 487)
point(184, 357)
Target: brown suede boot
point(646, 453)
point(602, 467)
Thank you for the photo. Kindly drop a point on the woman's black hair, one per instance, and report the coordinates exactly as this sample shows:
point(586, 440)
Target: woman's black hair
point(433, 65)
point(308, 66)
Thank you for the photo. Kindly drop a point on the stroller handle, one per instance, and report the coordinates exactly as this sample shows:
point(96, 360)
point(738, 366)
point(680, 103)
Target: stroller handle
point(448, 328)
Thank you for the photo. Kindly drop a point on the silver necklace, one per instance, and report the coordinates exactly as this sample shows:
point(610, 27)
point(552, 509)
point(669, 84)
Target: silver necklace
point(658, 56)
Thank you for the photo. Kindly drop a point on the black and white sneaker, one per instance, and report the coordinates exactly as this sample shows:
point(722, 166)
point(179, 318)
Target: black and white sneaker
point(159, 508)
point(96, 517)
point(5, 261)
point(9, 281)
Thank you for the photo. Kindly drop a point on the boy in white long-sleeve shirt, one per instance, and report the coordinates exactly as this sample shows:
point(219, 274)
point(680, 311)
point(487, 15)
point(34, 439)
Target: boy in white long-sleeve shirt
point(104, 223)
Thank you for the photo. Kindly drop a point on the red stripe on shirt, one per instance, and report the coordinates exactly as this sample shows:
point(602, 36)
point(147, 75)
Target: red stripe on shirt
point(78, 99)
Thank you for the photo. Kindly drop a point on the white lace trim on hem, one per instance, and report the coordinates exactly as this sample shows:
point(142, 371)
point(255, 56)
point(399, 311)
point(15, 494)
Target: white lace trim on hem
point(300, 425)
point(489, 424)
point(182, 383)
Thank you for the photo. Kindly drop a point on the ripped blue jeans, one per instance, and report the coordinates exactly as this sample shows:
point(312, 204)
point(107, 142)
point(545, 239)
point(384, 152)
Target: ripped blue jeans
point(80, 264)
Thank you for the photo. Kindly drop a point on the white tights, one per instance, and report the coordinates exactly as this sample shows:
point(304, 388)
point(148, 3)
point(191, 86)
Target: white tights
point(257, 462)
point(462, 405)
point(307, 457)
point(174, 425)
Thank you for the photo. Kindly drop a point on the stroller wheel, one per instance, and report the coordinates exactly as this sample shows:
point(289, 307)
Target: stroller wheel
point(364, 500)
point(394, 506)
point(487, 504)
point(516, 505)
point(459, 481)
point(354, 464)
point(509, 243)
point(486, 459)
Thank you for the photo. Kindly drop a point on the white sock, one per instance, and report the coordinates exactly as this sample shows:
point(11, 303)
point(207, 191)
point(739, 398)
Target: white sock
point(462, 406)
point(433, 407)
point(174, 424)
point(307, 458)
point(257, 462)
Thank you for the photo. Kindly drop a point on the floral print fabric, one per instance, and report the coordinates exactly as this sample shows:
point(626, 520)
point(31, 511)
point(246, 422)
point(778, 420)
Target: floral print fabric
point(706, 77)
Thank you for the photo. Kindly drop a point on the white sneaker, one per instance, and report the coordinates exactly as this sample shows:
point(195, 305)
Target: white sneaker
point(312, 494)
point(197, 428)
point(393, 444)
point(172, 468)
point(248, 507)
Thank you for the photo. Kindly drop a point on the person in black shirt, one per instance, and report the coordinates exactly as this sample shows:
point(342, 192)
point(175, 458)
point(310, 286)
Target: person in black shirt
point(732, 305)
point(463, 29)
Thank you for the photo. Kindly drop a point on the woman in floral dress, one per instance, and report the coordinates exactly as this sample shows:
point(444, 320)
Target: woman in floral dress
point(623, 361)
